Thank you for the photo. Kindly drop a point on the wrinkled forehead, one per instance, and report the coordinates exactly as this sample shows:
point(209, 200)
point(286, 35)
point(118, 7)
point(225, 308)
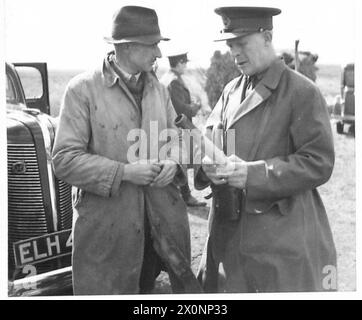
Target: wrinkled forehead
point(135, 46)
point(142, 45)
point(251, 37)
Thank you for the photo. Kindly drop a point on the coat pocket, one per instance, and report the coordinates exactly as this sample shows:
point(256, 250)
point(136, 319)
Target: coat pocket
point(263, 207)
point(284, 205)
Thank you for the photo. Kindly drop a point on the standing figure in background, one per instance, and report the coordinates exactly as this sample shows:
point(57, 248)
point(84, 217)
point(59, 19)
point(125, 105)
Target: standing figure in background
point(182, 102)
point(347, 91)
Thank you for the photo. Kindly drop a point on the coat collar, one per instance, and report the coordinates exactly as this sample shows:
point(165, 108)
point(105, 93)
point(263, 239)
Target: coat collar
point(272, 77)
point(178, 77)
point(127, 76)
point(262, 91)
point(110, 78)
point(177, 74)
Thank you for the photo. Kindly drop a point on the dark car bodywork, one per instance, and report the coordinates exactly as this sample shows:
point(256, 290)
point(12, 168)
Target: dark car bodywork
point(39, 204)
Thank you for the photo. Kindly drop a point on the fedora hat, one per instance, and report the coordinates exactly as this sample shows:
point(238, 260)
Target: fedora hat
point(135, 24)
point(241, 21)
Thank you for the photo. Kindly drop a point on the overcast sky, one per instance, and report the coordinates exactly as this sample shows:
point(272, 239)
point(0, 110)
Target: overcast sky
point(69, 33)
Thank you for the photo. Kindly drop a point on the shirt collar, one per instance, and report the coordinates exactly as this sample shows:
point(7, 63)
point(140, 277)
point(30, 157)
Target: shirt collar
point(109, 75)
point(269, 77)
point(176, 72)
point(124, 73)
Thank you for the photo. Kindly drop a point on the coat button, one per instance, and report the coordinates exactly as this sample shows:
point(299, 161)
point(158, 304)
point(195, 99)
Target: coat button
point(138, 228)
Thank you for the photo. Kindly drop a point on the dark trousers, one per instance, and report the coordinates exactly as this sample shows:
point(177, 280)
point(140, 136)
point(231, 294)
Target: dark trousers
point(185, 190)
point(152, 266)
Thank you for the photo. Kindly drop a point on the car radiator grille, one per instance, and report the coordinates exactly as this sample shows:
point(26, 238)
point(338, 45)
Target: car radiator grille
point(26, 210)
point(65, 211)
point(26, 207)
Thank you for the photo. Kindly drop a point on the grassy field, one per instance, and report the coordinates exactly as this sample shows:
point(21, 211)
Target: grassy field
point(58, 80)
point(338, 194)
point(328, 80)
point(339, 197)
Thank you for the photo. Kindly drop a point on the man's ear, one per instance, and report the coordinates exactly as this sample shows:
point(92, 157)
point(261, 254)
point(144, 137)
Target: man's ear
point(178, 65)
point(268, 35)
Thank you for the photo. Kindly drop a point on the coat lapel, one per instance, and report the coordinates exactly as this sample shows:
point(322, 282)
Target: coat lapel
point(262, 91)
point(254, 99)
point(128, 94)
point(151, 107)
point(110, 78)
point(153, 117)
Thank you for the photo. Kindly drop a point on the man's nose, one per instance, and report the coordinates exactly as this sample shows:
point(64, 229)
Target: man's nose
point(158, 53)
point(234, 52)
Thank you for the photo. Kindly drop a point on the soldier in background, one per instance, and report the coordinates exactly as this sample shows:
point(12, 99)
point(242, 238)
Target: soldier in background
point(347, 93)
point(182, 102)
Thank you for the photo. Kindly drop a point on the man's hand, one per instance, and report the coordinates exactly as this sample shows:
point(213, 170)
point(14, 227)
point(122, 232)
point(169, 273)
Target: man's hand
point(235, 173)
point(210, 170)
point(141, 173)
point(195, 107)
point(168, 170)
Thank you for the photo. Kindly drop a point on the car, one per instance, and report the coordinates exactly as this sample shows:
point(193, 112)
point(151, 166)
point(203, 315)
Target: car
point(39, 204)
point(344, 107)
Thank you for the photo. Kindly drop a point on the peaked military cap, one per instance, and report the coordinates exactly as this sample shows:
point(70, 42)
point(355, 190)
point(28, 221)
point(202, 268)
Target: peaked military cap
point(174, 59)
point(241, 21)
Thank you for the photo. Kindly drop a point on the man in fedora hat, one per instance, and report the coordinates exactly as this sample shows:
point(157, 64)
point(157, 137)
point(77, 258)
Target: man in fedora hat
point(128, 214)
point(181, 100)
point(278, 237)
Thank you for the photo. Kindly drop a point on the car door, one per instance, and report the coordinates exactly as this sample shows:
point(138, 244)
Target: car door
point(34, 79)
point(15, 98)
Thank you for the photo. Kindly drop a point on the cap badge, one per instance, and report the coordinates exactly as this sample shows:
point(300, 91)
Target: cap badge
point(226, 20)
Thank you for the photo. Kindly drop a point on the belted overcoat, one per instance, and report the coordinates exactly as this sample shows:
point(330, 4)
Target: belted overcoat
point(282, 240)
point(98, 134)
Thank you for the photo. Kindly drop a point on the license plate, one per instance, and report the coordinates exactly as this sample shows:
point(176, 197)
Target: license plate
point(43, 248)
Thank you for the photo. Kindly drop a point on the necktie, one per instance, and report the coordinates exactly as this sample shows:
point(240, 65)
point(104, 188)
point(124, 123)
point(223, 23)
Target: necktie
point(248, 86)
point(253, 80)
point(132, 82)
point(245, 87)
point(134, 86)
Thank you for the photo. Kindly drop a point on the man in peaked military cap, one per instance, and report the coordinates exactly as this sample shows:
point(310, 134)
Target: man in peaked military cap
point(278, 238)
point(128, 212)
point(181, 100)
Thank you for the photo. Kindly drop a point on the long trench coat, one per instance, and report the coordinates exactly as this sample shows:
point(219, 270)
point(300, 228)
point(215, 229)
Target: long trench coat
point(282, 241)
point(90, 151)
